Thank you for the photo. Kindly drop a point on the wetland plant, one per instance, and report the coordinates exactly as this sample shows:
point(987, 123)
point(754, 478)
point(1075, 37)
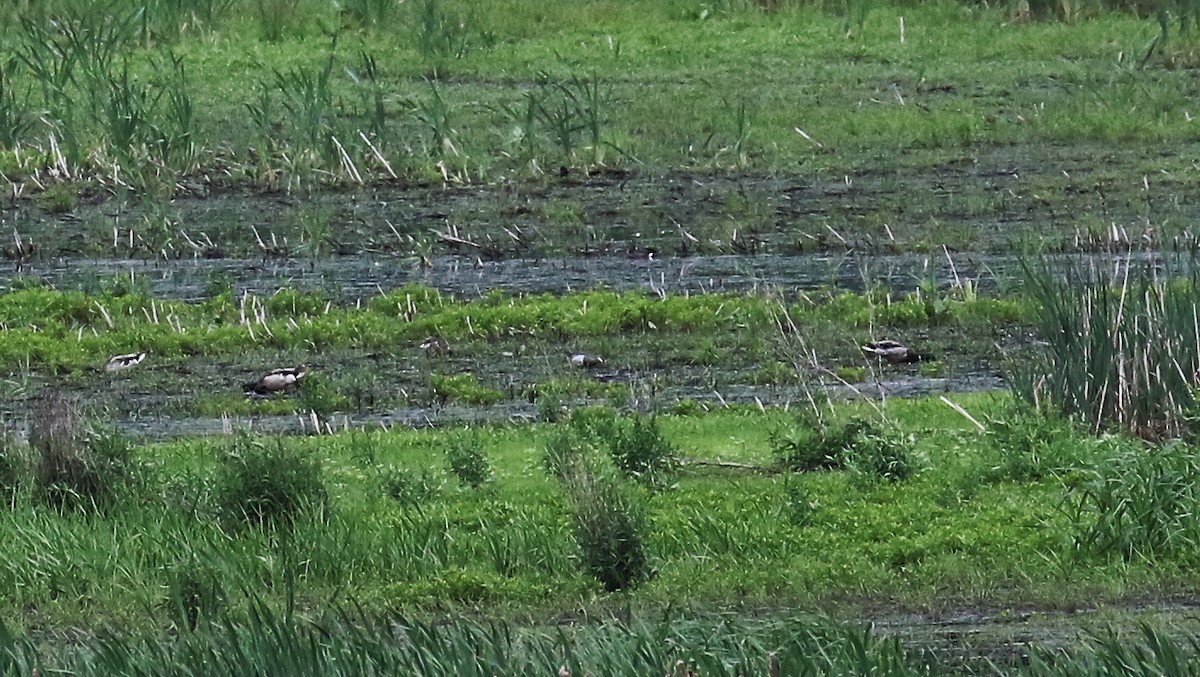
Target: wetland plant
point(609, 524)
point(462, 388)
point(277, 17)
point(1109, 652)
point(195, 590)
point(437, 117)
point(608, 520)
point(569, 111)
point(409, 488)
point(465, 457)
point(77, 469)
point(743, 121)
point(367, 76)
point(863, 446)
point(1122, 350)
point(308, 100)
point(816, 444)
point(799, 506)
point(1030, 445)
point(639, 449)
point(573, 445)
point(369, 13)
point(265, 641)
point(565, 450)
point(1138, 503)
point(15, 117)
point(267, 484)
point(438, 33)
point(14, 467)
point(881, 455)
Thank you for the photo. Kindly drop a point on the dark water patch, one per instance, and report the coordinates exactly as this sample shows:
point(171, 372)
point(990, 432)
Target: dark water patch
point(982, 199)
point(166, 427)
point(348, 278)
point(985, 640)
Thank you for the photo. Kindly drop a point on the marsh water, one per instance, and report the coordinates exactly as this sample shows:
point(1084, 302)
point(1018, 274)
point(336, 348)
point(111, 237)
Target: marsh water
point(658, 235)
point(154, 414)
point(349, 278)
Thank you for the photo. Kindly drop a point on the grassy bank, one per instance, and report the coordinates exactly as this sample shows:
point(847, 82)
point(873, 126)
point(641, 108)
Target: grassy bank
point(916, 511)
point(367, 356)
point(856, 133)
point(445, 90)
point(68, 330)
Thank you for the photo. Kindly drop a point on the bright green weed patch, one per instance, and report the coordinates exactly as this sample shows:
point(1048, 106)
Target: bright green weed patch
point(954, 531)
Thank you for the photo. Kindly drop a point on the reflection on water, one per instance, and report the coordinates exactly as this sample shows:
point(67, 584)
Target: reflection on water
point(353, 277)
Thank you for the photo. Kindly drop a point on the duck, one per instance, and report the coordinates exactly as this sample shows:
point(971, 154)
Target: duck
point(435, 346)
point(586, 361)
point(119, 362)
point(894, 352)
point(276, 380)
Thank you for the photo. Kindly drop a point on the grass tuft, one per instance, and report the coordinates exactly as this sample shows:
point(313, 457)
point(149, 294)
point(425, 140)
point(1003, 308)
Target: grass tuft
point(268, 483)
point(1137, 504)
point(1122, 349)
point(78, 470)
point(609, 526)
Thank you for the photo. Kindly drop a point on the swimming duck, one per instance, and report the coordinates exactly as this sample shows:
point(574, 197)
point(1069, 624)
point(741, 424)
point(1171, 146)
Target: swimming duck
point(586, 361)
point(119, 362)
point(894, 352)
point(276, 380)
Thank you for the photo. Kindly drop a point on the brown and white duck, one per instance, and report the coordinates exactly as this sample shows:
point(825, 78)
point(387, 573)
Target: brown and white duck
point(276, 380)
point(894, 352)
point(435, 346)
point(119, 362)
point(586, 361)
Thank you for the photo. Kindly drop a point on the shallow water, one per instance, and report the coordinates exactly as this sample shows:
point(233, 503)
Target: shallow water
point(347, 278)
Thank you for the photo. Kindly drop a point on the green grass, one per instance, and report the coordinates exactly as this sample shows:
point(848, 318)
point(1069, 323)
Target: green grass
point(605, 83)
point(72, 329)
point(269, 643)
point(973, 133)
point(955, 532)
point(1122, 348)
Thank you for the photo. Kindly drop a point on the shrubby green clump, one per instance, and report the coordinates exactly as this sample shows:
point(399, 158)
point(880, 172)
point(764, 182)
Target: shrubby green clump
point(409, 488)
point(881, 455)
point(195, 590)
point(566, 450)
point(77, 468)
point(609, 524)
point(462, 388)
point(268, 483)
point(814, 444)
point(639, 449)
point(467, 460)
point(636, 445)
point(1029, 446)
point(1137, 502)
point(857, 444)
point(607, 517)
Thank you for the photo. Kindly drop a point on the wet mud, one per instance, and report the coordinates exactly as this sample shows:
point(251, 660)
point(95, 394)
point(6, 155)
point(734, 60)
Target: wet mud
point(922, 223)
